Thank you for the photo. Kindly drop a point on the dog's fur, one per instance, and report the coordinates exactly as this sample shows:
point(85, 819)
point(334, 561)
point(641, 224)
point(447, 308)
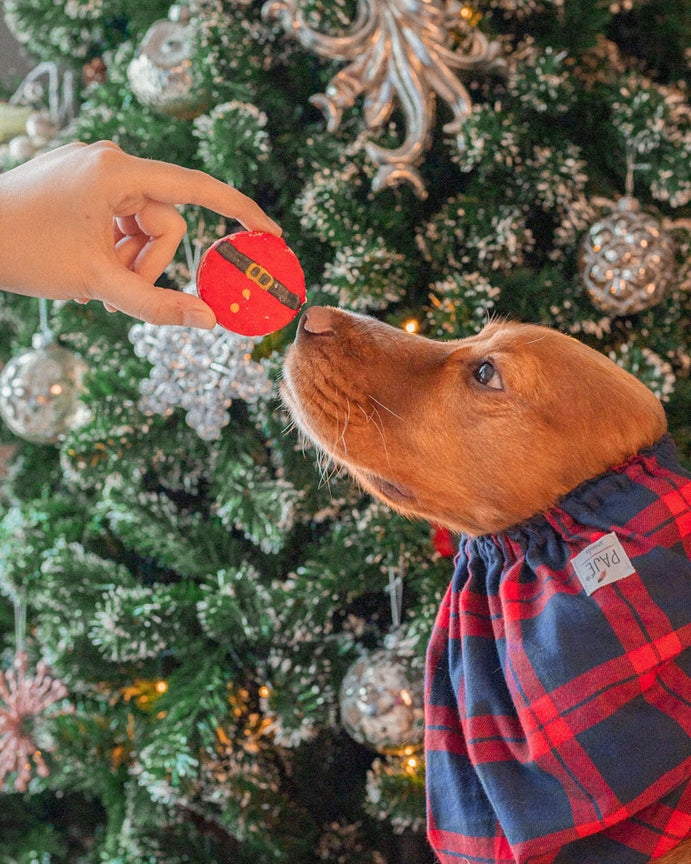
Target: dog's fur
point(476, 434)
point(410, 420)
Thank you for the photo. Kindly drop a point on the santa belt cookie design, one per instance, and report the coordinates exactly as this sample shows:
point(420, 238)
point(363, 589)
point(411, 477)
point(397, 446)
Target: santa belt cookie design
point(259, 275)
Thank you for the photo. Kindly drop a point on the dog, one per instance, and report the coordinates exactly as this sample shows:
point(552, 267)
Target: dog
point(558, 681)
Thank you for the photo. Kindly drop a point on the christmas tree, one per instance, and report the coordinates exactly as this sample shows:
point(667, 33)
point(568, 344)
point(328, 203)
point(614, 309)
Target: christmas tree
point(186, 592)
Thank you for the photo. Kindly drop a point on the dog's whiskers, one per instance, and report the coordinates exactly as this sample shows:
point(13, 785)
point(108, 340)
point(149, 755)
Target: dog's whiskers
point(346, 420)
point(381, 405)
point(374, 417)
point(325, 466)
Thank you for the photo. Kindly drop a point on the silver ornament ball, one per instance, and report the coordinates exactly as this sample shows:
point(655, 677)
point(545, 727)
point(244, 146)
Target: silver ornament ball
point(627, 261)
point(381, 702)
point(162, 75)
point(40, 392)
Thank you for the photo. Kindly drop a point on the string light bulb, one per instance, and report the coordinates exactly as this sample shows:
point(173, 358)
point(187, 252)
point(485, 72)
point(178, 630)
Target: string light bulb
point(470, 15)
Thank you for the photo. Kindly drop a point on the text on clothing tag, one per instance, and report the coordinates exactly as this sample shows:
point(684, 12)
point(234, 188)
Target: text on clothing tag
point(602, 563)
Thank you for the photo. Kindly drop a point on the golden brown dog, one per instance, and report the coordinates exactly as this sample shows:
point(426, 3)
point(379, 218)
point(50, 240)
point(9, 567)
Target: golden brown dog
point(477, 434)
point(405, 415)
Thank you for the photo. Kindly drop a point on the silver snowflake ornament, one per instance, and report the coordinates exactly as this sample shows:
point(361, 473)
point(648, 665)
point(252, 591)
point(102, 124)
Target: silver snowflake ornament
point(200, 371)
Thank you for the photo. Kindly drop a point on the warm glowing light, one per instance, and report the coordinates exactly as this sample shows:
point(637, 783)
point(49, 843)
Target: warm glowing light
point(411, 763)
point(264, 692)
point(412, 325)
point(222, 737)
point(161, 687)
point(470, 16)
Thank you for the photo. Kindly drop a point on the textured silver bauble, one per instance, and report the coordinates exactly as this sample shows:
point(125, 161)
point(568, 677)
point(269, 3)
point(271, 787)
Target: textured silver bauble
point(381, 702)
point(627, 260)
point(40, 392)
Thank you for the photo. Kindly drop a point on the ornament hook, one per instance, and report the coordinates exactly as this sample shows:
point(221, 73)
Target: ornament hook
point(395, 589)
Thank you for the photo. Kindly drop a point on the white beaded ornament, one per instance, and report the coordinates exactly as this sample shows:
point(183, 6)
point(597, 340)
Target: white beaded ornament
point(200, 371)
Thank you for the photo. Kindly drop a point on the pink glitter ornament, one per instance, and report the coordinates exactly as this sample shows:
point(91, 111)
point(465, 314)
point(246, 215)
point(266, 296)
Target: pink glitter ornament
point(22, 700)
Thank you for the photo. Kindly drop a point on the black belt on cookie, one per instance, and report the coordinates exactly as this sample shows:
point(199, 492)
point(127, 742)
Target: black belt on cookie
point(259, 275)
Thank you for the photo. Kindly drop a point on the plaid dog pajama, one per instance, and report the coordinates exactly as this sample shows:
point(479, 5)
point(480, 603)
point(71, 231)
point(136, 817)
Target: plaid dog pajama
point(558, 686)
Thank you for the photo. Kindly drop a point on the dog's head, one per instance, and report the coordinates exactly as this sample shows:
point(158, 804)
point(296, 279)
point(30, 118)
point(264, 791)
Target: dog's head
point(476, 434)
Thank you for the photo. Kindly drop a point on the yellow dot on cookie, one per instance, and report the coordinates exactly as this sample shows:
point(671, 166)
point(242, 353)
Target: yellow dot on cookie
point(246, 293)
point(234, 307)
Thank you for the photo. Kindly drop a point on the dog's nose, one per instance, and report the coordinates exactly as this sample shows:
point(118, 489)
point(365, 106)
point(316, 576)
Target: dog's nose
point(318, 321)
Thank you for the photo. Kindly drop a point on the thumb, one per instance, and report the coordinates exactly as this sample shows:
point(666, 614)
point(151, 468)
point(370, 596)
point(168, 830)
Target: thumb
point(133, 295)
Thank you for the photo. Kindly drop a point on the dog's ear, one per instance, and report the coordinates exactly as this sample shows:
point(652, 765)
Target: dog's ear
point(604, 410)
point(566, 413)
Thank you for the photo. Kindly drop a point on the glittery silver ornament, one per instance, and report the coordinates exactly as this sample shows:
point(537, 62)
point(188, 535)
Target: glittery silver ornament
point(40, 392)
point(162, 74)
point(200, 371)
point(626, 260)
point(381, 702)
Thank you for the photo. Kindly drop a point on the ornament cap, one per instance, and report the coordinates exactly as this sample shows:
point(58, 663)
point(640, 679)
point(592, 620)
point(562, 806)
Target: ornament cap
point(180, 13)
point(42, 339)
point(628, 204)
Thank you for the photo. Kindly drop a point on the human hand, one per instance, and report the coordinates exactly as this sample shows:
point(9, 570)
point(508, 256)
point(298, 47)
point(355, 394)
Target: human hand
point(89, 222)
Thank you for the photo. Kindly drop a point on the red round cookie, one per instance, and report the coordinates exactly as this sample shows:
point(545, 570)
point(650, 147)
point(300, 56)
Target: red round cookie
point(253, 281)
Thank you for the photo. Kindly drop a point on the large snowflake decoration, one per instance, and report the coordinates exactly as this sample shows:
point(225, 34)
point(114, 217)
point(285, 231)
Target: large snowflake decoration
point(23, 700)
point(399, 52)
point(200, 371)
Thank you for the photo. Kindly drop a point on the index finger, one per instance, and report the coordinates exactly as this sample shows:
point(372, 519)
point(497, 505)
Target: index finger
point(174, 184)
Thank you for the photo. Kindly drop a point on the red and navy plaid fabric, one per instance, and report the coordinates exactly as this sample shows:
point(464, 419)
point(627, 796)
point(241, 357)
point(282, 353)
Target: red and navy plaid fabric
point(558, 725)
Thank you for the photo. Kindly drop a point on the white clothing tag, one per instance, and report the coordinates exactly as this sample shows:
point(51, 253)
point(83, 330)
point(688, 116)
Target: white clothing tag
point(601, 563)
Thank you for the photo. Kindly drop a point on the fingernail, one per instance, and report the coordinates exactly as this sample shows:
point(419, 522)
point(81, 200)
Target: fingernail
point(202, 319)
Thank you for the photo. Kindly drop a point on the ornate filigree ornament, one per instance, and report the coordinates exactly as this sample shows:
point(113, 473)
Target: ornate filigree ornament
point(403, 52)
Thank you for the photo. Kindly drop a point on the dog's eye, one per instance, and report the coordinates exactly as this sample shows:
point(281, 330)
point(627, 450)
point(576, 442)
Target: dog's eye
point(487, 375)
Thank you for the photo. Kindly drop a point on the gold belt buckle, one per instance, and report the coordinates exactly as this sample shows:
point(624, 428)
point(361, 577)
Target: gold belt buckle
point(259, 274)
